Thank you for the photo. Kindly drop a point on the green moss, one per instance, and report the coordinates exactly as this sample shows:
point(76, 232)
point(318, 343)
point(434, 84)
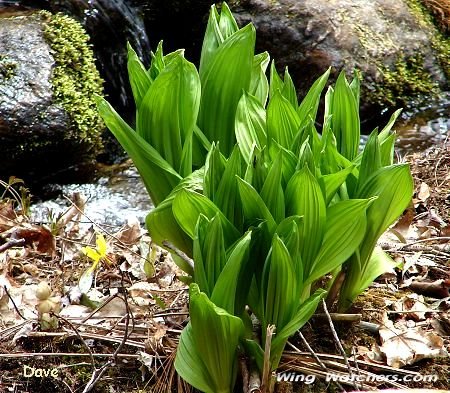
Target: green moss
point(75, 78)
point(7, 68)
point(439, 41)
point(405, 80)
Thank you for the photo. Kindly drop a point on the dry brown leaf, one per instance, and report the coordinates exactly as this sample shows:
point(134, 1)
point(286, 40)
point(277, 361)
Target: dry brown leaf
point(424, 192)
point(37, 237)
point(131, 232)
point(413, 303)
point(407, 346)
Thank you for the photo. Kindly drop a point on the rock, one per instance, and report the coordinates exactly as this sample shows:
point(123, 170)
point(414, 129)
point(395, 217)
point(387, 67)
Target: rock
point(400, 53)
point(49, 126)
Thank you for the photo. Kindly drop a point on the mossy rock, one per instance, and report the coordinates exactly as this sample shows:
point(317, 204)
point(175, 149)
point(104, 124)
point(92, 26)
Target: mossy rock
point(49, 125)
point(402, 57)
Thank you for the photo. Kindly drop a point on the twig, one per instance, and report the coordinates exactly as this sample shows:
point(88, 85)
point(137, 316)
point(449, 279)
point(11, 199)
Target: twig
point(179, 253)
point(336, 339)
point(245, 375)
point(12, 243)
point(316, 358)
point(254, 382)
point(338, 317)
point(98, 373)
point(13, 302)
point(79, 336)
point(266, 380)
point(58, 354)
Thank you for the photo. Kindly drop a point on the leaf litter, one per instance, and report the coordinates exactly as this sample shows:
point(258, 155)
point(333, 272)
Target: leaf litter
point(135, 303)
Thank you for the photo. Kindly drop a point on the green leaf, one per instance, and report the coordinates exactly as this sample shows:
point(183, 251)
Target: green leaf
point(272, 190)
point(356, 282)
point(213, 38)
point(304, 198)
point(386, 131)
point(345, 121)
point(394, 187)
point(214, 168)
point(223, 79)
point(256, 171)
point(279, 287)
point(227, 195)
point(371, 158)
point(308, 107)
point(158, 176)
point(387, 150)
point(255, 210)
point(168, 112)
point(209, 253)
point(282, 121)
point(344, 231)
point(250, 125)
point(187, 207)
point(276, 83)
point(227, 23)
point(288, 90)
point(232, 286)
point(157, 62)
point(330, 183)
point(207, 353)
point(139, 79)
point(303, 314)
point(259, 85)
point(161, 222)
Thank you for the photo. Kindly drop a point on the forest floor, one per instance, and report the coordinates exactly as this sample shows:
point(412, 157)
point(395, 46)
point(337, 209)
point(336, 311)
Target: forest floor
point(123, 334)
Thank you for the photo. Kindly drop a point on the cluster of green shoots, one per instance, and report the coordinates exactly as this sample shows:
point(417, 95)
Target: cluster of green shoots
point(264, 204)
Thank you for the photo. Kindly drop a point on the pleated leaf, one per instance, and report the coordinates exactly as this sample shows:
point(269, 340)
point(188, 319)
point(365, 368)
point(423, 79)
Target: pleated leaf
point(345, 120)
point(233, 284)
point(227, 23)
point(393, 186)
point(282, 121)
point(161, 222)
point(303, 314)
point(288, 90)
point(187, 207)
point(211, 342)
point(224, 78)
point(168, 112)
point(344, 231)
point(250, 125)
point(371, 159)
point(255, 210)
point(140, 81)
point(304, 198)
point(272, 191)
point(259, 85)
point(157, 63)
point(213, 38)
point(331, 183)
point(276, 83)
point(227, 195)
point(280, 286)
point(357, 281)
point(157, 174)
point(309, 105)
point(214, 168)
point(209, 253)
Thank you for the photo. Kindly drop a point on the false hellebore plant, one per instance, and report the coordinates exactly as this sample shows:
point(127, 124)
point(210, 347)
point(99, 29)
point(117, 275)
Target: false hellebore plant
point(244, 184)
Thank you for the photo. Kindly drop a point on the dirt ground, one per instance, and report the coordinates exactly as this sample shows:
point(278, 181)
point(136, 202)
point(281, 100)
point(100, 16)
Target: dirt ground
point(123, 336)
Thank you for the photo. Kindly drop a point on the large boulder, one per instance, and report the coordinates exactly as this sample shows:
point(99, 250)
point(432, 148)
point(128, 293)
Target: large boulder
point(392, 42)
point(49, 125)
